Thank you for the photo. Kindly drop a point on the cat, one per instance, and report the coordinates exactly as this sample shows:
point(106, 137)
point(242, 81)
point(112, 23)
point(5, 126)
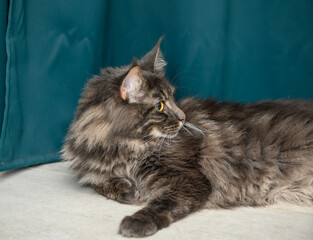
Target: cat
point(133, 143)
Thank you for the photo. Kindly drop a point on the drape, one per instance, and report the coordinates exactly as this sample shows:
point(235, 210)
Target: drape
point(3, 23)
point(231, 50)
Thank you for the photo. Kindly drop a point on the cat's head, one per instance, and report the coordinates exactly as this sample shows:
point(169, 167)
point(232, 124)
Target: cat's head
point(133, 102)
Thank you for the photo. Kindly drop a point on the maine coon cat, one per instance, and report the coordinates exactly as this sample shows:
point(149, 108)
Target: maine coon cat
point(134, 144)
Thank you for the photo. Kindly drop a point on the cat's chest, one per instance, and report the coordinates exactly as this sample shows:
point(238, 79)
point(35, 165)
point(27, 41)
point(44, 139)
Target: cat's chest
point(173, 154)
point(118, 168)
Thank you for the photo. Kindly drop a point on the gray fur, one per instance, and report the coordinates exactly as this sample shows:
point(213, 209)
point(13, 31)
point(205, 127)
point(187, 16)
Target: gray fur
point(192, 155)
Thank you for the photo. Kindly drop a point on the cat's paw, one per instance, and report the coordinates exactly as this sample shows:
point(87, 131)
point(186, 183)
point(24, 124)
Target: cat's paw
point(118, 189)
point(137, 226)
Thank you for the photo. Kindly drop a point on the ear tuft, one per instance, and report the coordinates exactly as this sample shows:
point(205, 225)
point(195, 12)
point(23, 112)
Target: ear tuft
point(159, 62)
point(131, 85)
point(154, 59)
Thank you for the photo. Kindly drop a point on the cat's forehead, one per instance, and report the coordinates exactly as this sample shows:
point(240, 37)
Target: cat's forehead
point(159, 86)
point(162, 94)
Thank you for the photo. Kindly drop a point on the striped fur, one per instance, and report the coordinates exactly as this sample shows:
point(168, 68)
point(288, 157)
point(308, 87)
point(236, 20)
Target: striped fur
point(222, 155)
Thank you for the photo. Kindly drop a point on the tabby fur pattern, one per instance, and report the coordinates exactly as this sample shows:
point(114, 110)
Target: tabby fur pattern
point(187, 156)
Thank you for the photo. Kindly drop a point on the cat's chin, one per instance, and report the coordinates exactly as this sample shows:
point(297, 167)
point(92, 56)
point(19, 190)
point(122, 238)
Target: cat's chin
point(172, 135)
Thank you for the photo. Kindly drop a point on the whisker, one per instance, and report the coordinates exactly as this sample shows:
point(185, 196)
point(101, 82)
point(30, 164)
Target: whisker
point(162, 144)
point(149, 140)
point(156, 145)
point(168, 142)
point(196, 128)
point(146, 136)
point(188, 131)
point(174, 78)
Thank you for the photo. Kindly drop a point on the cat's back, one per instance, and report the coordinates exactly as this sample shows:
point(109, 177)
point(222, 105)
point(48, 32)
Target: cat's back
point(227, 111)
point(284, 116)
point(274, 128)
point(253, 151)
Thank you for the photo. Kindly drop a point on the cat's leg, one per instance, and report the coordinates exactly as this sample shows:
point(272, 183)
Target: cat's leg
point(118, 189)
point(180, 197)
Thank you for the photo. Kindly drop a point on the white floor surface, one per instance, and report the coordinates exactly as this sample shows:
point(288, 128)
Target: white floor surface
point(46, 202)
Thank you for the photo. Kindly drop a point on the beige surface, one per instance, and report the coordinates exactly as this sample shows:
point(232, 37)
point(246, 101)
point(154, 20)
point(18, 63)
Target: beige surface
point(46, 202)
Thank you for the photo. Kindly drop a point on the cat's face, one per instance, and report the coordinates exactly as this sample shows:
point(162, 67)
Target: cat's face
point(146, 86)
point(132, 102)
point(153, 97)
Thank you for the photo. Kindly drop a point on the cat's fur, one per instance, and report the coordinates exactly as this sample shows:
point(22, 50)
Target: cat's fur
point(198, 154)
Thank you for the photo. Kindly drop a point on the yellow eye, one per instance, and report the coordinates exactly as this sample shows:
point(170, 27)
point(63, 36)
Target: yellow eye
point(160, 106)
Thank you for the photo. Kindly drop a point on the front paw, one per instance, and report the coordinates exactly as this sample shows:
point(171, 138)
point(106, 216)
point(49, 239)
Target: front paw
point(119, 189)
point(138, 226)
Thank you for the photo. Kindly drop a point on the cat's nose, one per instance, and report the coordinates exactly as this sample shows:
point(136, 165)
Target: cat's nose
point(181, 117)
point(176, 112)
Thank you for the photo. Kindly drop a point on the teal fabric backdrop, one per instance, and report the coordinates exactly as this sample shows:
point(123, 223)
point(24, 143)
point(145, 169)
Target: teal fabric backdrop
point(232, 50)
point(3, 24)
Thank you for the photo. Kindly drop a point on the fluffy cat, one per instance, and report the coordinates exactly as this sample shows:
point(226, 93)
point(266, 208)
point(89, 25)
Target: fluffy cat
point(132, 143)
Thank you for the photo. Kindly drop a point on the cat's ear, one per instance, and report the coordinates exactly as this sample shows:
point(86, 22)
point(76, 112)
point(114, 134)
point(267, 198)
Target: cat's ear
point(131, 85)
point(154, 59)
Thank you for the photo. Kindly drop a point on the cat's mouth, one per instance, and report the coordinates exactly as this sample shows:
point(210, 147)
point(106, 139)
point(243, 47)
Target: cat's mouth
point(190, 128)
point(172, 133)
